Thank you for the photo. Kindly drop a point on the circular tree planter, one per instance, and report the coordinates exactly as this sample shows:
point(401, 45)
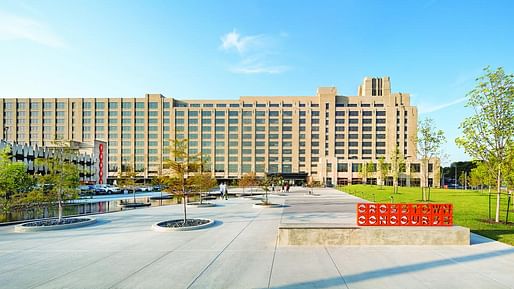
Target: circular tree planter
point(177, 225)
point(202, 205)
point(312, 195)
point(266, 205)
point(279, 195)
point(165, 197)
point(53, 224)
point(135, 205)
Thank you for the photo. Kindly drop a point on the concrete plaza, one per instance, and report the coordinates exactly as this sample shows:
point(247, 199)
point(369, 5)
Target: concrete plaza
point(240, 251)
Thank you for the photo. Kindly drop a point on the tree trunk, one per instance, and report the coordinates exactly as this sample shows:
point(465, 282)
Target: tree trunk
point(498, 194)
point(185, 204)
point(59, 209)
point(134, 194)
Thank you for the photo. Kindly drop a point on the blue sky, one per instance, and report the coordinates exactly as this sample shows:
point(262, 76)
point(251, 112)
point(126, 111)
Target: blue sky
point(224, 49)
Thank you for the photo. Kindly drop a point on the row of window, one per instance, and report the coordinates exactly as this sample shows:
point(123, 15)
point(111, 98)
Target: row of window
point(248, 105)
point(85, 105)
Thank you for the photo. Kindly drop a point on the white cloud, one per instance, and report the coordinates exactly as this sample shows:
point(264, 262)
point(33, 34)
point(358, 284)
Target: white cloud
point(255, 53)
point(423, 108)
point(233, 40)
point(13, 27)
point(259, 69)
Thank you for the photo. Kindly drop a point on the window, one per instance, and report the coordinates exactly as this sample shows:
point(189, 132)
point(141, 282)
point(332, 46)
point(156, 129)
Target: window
point(342, 167)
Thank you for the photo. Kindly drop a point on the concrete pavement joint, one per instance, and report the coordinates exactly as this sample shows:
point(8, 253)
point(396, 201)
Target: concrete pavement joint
point(128, 276)
point(275, 250)
point(335, 265)
point(222, 250)
point(68, 272)
point(469, 267)
point(273, 261)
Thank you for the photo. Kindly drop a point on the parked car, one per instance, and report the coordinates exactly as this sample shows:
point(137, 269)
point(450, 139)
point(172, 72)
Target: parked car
point(454, 186)
point(158, 188)
point(106, 189)
point(144, 189)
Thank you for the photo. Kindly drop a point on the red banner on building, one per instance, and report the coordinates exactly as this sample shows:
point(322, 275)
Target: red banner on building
point(101, 164)
point(376, 214)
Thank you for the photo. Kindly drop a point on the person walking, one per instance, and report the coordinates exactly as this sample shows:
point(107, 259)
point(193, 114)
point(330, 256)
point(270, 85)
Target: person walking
point(221, 190)
point(225, 191)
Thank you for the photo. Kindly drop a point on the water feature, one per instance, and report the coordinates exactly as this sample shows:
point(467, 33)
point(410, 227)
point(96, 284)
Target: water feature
point(78, 208)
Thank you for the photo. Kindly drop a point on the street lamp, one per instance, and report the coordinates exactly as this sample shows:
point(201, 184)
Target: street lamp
point(6, 130)
point(455, 175)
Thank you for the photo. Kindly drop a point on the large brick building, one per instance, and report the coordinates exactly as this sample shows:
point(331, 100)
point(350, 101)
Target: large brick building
point(325, 137)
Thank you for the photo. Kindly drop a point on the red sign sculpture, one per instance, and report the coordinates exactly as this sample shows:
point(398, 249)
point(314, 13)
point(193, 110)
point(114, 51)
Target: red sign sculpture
point(101, 164)
point(376, 214)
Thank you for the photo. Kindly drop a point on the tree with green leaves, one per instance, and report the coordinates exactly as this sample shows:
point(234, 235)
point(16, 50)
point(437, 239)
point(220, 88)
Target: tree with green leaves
point(383, 169)
point(489, 132)
point(127, 179)
point(182, 166)
point(61, 176)
point(365, 170)
point(429, 143)
point(464, 179)
point(15, 182)
point(397, 162)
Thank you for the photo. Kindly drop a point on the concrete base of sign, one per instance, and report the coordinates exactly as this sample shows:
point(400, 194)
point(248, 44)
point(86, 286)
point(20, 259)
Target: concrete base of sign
point(334, 235)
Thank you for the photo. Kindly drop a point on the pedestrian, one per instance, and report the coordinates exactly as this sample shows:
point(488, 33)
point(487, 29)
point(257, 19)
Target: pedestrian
point(287, 187)
point(273, 188)
point(225, 192)
point(221, 191)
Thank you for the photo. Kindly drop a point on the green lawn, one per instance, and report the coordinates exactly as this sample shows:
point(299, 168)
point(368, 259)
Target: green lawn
point(470, 208)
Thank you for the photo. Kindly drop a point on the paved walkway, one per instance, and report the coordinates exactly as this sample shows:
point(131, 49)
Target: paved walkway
point(121, 251)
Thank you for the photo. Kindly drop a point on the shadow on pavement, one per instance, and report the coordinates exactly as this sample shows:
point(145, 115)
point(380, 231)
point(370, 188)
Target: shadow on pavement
point(387, 272)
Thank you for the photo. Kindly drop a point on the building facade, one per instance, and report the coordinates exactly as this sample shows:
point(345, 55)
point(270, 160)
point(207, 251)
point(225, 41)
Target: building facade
point(326, 137)
point(88, 157)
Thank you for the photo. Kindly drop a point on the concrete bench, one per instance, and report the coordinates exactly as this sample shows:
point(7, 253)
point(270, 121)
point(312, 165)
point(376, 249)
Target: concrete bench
point(337, 234)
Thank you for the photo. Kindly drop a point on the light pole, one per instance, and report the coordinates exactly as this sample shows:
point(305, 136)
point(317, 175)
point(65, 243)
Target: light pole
point(455, 175)
point(6, 130)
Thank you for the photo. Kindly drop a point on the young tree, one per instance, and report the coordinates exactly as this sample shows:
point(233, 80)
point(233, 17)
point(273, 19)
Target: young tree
point(266, 184)
point(159, 179)
point(248, 180)
point(429, 142)
point(383, 169)
point(464, 179)
point(365, 170)
point(203, 182)
point(397, 167)
point(182, 166)
point(15, 182)
point(489, 131)
point(61, 177)
point(127, 179)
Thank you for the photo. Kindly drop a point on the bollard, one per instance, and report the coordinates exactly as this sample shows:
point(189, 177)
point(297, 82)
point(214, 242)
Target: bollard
point(508, 209)
point(489, 205)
